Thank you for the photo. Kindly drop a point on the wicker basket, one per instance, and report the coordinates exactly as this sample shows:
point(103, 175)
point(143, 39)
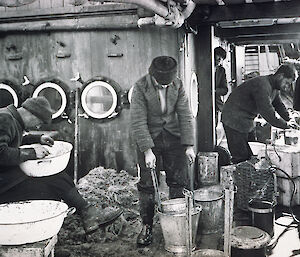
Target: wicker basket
point(254, 183)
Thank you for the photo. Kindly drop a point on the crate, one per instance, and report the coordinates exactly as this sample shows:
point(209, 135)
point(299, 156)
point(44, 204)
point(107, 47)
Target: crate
point(285, 157)
point(253, 183)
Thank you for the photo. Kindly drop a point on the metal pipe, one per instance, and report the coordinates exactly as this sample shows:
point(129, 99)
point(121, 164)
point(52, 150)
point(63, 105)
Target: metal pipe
point(173, 16)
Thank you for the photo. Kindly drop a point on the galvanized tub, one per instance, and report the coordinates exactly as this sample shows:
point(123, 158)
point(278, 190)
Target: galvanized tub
point(174, 230)
point(212, 217)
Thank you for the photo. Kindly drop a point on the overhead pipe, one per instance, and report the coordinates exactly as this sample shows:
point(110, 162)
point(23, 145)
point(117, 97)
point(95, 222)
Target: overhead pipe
point(173, 16)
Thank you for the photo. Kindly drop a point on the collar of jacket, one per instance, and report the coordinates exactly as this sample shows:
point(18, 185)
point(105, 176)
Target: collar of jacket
point(13, 110)
point(273, 82)
point(157, 85)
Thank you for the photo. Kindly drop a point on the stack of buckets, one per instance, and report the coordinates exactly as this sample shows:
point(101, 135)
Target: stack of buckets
point(210, 194)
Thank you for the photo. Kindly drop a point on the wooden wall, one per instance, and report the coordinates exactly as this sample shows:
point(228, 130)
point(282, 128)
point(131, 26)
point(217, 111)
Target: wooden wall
point(87, 51)
point(101, 143)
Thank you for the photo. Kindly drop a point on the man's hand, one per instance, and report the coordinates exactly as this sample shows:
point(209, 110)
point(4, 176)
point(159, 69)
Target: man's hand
point(41, 152)
point(47, 140)
point(293, 124)
point(189, 152)
point(150, 159)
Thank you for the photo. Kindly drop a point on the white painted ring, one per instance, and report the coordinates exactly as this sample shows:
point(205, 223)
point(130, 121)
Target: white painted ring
point(194, 94)
point(60, 91)
point(12, 92)
point(85, 93)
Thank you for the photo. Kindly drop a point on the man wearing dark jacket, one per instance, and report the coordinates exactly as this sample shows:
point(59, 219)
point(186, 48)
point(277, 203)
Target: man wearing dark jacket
point(16, 186)
point(162, 126)
point(221, 88)
point(259, 95)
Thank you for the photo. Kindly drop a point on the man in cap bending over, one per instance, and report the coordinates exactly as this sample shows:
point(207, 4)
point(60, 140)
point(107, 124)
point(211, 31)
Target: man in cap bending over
point(16, 186)
point(162, 126)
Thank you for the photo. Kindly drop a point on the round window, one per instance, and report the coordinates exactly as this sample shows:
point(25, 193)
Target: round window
point(99, 99)
point(55, 95)
point(130, 94)
point(194, 95)
point(8, 96)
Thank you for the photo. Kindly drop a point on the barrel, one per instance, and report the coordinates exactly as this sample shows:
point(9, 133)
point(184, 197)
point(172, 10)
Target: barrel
point(249, 241)
point(212, 216)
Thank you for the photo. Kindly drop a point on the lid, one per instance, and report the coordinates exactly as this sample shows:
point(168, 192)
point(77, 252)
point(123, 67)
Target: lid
point(247, 237)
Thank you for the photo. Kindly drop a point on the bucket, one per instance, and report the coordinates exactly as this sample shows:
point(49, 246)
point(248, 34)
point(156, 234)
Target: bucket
point(208, 253)
point(249, 241)
point(174, 230)
point(263, 215)
point(208, 173)
point(174, 206)
point(212, 216)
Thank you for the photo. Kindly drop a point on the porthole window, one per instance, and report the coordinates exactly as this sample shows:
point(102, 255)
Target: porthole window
point(130, 94)
point(55, 95)
point(100, 99)
point(8, 96)
point(194, 95)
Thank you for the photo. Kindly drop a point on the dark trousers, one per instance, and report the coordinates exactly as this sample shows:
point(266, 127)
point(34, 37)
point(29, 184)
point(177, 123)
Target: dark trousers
point(170, 157)
point(56, 187)
point(238, 145)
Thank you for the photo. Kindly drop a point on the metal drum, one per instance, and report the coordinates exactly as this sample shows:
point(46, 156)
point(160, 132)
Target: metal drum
point(249, 241)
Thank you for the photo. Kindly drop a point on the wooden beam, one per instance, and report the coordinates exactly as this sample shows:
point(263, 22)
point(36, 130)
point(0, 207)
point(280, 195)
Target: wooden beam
point(284, 9)
point(273, 39)
point(66, 12)
point(92, 23)
point(279, 29)
point(205, 118)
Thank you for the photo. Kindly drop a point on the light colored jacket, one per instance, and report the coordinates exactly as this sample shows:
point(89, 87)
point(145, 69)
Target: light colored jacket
point(147, 119)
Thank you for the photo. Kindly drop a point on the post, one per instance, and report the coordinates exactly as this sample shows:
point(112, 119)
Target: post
point(76, 136)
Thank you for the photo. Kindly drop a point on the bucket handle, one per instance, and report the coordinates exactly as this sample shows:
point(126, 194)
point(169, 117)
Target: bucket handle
point(70, 211)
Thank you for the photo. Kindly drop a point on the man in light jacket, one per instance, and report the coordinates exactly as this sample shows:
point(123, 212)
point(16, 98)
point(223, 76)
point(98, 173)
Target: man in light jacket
point(259, 95)
point(162, 126)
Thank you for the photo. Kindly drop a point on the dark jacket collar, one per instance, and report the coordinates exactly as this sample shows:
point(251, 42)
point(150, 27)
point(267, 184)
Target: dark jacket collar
point(13, 110)
point(273, 82)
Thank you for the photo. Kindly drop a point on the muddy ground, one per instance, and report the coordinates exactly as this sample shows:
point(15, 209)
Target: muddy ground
point(106, 187)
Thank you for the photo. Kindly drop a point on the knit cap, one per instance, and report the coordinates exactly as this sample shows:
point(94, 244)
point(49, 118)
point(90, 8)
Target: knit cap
point(39, 107)
point(163, 69)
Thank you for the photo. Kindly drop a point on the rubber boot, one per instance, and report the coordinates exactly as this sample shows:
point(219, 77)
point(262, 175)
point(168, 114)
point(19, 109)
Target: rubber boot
point(94, 218)
point(147, 203)
point(145, 236)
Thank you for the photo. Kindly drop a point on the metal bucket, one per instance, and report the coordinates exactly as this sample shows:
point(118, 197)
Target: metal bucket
point(263, 215)
point(174, 230)
point(212, 217)
point(208, 173)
